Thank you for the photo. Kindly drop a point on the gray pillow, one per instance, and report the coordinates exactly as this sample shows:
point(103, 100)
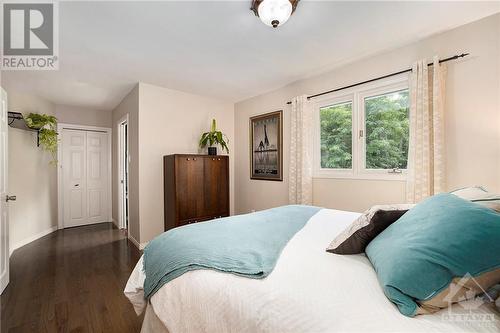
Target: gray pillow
point(479, 195)
point(356, 237)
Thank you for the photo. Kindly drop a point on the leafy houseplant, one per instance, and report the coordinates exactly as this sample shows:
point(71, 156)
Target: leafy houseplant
point(47, 135)
point(214, 137)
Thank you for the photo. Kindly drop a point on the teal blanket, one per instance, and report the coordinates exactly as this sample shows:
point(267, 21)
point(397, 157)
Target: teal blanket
point(246, 245)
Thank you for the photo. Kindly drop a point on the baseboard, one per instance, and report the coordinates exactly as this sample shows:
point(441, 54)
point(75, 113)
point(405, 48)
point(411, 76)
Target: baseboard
point(31, 239)
point(136, 243)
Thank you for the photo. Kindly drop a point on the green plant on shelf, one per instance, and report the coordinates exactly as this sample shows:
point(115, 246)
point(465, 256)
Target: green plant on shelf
point(214, 137)
point(47, 132)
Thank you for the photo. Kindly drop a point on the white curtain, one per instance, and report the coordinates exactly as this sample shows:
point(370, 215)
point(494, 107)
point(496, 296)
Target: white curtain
point(425, 156)
point(301, 152)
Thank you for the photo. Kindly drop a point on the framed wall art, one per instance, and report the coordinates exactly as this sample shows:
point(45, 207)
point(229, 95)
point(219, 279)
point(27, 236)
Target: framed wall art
point(266, 146)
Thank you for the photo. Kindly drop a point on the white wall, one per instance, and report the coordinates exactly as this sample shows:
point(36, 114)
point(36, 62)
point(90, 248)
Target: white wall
point(172, 122)
point(82, 116)
point(472, 121)
point(31, 178)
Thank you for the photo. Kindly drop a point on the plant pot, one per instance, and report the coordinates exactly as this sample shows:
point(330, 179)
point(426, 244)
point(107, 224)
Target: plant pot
point(212, 150)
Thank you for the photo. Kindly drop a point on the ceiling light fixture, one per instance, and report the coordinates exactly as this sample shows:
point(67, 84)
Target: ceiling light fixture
point(274, 13)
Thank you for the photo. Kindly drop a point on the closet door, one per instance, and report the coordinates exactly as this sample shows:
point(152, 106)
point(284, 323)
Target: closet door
point(74, 177)
point(223, 186)
point(97, 177)
point(85, 177)
point(216, 186)
point(189, 187)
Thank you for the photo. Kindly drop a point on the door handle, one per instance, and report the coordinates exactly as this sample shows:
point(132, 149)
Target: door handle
point(10, 198)
point(76, 185)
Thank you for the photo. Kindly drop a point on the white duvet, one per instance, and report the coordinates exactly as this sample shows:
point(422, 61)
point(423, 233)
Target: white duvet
point(309, 290)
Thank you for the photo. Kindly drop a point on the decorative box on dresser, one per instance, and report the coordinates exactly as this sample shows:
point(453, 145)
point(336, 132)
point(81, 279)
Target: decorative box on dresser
point(196, 188)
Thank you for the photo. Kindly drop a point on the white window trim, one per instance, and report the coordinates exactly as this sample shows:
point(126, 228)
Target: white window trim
point(356, 95)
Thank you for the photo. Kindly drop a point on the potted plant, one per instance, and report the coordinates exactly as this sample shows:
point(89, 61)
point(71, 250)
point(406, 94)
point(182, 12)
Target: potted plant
point(214, 138)
point(47, 135)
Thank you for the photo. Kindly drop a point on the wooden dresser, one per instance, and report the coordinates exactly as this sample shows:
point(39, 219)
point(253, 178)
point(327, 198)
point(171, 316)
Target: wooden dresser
point(196, 188)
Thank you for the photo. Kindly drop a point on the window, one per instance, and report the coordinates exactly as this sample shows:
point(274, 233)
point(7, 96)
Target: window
point(336, 136)
point(364, 134)
point(387, 130)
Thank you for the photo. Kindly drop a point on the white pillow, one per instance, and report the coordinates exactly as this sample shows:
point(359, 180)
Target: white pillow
point(480, 196)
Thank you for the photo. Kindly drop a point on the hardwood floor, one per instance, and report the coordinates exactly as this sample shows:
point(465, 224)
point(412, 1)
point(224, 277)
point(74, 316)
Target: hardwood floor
point(71, 281)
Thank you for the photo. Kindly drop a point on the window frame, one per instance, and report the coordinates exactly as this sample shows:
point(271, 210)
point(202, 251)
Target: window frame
point(357, 96)
point(341, 99)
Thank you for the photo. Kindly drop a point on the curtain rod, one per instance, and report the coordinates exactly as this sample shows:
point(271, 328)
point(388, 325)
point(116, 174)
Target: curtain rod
point(382, 77)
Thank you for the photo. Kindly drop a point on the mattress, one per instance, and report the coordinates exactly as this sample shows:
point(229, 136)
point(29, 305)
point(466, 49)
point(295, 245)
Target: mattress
point(309, 290)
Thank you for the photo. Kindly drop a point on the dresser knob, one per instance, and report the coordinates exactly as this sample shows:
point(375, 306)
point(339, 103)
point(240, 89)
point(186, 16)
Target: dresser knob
point(194, 159)
point(218, 159)
point(213, 159)
point(188, 159)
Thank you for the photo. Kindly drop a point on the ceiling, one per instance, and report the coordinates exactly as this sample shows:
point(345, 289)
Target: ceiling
point(220, 49)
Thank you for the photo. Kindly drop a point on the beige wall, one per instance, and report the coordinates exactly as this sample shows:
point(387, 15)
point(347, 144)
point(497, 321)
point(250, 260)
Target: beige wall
point(31, 178)
point(161, 122)
point(472, 121)
point(164, 121)
point(82, 116)
point(129, 105)
point(171, 122)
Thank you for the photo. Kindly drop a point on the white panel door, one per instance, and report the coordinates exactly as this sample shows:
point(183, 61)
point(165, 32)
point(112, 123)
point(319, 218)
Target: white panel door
point(4, 212)
point(97, 177)
point(74, 178)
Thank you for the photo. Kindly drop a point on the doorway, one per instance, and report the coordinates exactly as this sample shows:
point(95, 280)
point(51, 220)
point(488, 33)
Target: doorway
point(84, 175)
point(123, 173)
point(4, 194)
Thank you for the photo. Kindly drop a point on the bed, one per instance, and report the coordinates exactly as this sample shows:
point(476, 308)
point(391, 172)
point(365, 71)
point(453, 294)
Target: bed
point(309, 290)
